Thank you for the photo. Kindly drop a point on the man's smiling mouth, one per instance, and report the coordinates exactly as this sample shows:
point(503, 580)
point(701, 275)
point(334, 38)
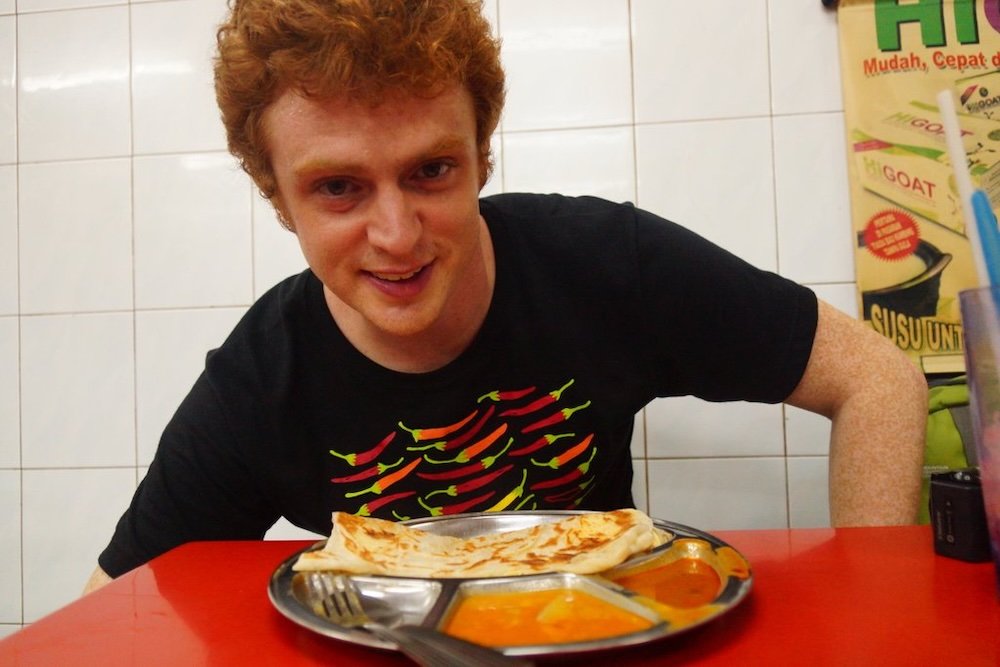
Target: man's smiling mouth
point(397, 277)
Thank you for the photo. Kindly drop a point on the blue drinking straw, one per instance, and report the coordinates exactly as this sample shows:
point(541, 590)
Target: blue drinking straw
point(989, 235)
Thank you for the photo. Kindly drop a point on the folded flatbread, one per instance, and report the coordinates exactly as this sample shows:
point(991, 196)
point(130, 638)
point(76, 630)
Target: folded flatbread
point(583, 544)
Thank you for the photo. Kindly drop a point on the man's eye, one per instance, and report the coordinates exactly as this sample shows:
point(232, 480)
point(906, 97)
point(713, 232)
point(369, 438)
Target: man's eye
point(433, 170)
point(335, 188)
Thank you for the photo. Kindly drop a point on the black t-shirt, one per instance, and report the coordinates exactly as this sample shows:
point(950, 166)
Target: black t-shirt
point(598, 308)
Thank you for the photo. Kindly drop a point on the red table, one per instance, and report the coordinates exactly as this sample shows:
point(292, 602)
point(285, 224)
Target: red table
point(855, 596)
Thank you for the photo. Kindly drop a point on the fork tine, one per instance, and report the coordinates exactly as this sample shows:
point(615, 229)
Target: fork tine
point(351, 600)
point(347, 601)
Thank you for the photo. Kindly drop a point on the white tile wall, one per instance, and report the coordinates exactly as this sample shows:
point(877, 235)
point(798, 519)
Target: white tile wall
point(129, 243)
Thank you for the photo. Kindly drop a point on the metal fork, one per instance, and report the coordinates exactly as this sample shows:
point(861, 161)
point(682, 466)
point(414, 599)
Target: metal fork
point(335, 598)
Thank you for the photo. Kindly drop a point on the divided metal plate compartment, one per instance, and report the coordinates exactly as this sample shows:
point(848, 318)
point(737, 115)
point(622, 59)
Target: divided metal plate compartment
point(430, 601)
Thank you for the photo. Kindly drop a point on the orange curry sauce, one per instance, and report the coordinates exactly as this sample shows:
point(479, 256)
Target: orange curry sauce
point(551, 616)
point(684, 583)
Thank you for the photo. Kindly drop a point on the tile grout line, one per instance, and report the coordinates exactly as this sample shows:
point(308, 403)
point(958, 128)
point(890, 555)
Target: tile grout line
point(777, 241)
point(635, 196)
point(20, 336)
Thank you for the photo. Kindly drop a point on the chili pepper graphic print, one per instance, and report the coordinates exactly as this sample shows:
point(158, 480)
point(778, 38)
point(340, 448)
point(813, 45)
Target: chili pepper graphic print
point(538, 444)
point(475, 449)
point(420, 434)
point(568, 455)
point(509, 451)
point(539, 403)
point(514, 494)
point(375, 470)
point(445, 445)
point(384, 483)
point(471, 484)
point(573, 475)
point(457, 508)
point(356, 459)
point(497, 395)
point(373, 505)
point(578, 492)
point(555, 418)
point(471, 469)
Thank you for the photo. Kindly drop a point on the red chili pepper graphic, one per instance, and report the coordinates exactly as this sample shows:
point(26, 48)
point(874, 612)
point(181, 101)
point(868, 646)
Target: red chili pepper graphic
point(377, 469)
point(568, 455)
point(445, 445)
point(471, 484)
point(554, 418)
point(431, 433)
point(474, 449)
point(563, 496)
point(457, 508)
point(472, 468)
point(538, 444)
point(356, 459)
point(505, 395)
point(537, 404)
point(585, 485)
point(572, 475)
point(385, 482)
point(368, 508)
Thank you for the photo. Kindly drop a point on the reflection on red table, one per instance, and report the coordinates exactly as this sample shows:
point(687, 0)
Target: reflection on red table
point(855, 596)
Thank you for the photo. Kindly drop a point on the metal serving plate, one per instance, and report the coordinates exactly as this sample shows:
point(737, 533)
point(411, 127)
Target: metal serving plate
point(429, 601)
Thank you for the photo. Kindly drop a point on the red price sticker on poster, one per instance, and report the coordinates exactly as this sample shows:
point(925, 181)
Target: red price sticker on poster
point(892, 234)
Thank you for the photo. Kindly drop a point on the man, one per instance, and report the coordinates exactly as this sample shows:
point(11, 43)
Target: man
point(446, 354)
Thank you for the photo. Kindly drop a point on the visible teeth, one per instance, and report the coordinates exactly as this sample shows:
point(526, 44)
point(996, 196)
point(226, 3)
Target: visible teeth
point(395, 276)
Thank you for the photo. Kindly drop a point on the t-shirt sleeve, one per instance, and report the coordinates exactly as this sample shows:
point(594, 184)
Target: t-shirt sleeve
point(719, 328)
point(200, 485)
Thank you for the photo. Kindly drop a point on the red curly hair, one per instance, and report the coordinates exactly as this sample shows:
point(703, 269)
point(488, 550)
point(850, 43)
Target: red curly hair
point(356, 48)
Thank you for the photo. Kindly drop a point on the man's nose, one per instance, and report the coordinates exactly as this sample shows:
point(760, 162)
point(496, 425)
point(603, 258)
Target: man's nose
point(395, 225)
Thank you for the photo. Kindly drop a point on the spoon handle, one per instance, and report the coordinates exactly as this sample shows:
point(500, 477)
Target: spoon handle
point(432, 648)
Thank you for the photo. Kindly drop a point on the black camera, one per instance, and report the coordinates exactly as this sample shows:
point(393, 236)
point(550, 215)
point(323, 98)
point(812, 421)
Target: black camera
point(958, 516)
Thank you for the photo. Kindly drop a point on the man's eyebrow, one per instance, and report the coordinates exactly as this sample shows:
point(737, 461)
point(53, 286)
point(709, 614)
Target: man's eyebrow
point(322, 164)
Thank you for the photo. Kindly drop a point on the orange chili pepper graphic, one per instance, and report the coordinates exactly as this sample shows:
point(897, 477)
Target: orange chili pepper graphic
point(356, 459)
point(474, 449)
point(568, 455)
point(384, 483)
point(445, 445)
point(554, 418)
point(368, 508)
point(455, 473)
point(431, 433)
point(376, 469)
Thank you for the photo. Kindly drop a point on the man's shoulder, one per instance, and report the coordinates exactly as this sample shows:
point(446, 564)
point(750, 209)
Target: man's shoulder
point(536, 207)
point(266, 328)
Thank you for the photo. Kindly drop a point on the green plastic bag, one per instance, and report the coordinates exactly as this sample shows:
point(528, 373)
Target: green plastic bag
point(950, 444)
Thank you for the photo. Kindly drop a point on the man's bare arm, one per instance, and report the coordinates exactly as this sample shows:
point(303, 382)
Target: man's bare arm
point(877, 400)
point(97, 579)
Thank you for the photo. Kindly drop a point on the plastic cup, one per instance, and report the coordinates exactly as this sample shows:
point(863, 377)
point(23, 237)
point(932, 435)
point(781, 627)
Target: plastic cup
point(981, 327)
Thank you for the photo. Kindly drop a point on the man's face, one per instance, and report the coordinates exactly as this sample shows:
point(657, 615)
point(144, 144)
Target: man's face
point(384, 201)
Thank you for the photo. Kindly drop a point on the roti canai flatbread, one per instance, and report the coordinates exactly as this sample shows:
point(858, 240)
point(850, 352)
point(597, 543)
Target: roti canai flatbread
point(582, 544)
